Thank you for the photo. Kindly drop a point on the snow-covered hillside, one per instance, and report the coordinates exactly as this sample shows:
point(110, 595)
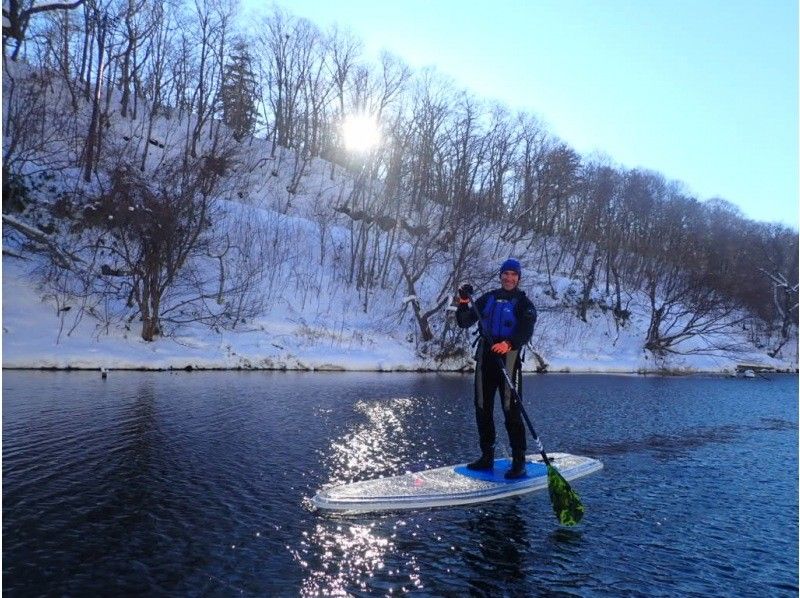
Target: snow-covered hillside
point(37, 335)
point(313, 318)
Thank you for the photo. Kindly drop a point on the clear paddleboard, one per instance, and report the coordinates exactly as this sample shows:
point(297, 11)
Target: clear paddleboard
point(448, 486)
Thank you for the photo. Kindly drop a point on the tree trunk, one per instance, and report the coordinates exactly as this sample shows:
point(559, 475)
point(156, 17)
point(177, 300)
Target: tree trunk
point(426, 334)
point(94, 123)
point(588, 285)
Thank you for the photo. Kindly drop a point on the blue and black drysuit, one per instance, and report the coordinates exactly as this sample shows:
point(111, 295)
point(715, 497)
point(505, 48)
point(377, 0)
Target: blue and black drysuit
point(507, 316)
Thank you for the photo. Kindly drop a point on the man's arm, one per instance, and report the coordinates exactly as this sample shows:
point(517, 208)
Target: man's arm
point(465, 315)
point(526, 318)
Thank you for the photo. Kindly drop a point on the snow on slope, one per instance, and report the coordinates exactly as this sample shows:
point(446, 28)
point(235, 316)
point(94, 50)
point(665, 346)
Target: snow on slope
point(36, 335)
point(315, 321)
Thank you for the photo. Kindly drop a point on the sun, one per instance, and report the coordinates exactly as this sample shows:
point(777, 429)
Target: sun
point(360, 132)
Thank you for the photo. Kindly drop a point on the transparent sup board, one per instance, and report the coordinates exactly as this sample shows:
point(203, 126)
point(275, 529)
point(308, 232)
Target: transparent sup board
point(448, 486)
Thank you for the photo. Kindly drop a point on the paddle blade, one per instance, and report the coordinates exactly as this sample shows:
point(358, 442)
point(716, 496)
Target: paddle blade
point(566, 503)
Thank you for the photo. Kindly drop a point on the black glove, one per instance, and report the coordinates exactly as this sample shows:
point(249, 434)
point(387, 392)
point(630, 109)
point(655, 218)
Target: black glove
point(465, 291)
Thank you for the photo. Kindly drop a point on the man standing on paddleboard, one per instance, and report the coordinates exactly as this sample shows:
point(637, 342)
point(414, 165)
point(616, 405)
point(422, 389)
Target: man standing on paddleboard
point(508, 317)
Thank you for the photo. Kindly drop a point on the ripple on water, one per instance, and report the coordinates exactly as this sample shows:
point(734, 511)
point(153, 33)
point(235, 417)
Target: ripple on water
point(194, 484)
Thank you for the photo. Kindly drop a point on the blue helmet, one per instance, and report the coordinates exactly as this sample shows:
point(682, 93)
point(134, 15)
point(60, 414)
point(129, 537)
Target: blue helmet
point(511, 265)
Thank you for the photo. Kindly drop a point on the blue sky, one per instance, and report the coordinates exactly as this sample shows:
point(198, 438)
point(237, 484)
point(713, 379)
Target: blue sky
point(704, 91)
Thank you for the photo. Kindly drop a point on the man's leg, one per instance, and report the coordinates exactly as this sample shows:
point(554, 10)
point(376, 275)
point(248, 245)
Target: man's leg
point(513, 416)
point(485, 388)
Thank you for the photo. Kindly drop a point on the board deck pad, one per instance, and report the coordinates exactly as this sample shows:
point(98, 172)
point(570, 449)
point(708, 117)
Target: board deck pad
point(501, 466)
point(447, 486)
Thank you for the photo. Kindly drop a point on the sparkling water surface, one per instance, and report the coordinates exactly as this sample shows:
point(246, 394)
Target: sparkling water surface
point(163, 483)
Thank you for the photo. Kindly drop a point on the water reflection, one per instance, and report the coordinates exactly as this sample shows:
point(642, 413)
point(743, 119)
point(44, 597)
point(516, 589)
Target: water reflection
point(341, 555)
point(139, 444)
point(501, 536)
point(566, 536)
point(667, 446)
point(378, 447)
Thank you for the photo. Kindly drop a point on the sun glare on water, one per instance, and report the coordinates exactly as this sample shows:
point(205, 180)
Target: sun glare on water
point(360, 132)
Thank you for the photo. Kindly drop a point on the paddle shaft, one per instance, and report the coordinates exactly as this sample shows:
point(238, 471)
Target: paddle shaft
point(487, 337)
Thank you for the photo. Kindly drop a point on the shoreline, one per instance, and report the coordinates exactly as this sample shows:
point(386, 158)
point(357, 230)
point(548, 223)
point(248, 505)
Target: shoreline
point(399, 370)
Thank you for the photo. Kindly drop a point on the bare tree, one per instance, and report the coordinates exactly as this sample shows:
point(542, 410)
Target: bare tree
point(212, 29)
point(37, 125)
point(779, 248)
point(681, 309)
point(343, 52)
point(533, 144)
point(286, 47)
point(684, 304)
point(90, 154)
point(149, 232)
point(155, 70)
point(430, 108)
point(501, 142)
point(139, 18)
point(374, 90)
point(17, 15)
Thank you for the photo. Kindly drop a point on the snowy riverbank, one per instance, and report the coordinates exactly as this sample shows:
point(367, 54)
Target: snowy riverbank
point(37, 335)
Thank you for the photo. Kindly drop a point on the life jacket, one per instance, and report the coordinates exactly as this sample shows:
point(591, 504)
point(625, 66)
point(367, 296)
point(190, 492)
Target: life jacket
point(498, 317)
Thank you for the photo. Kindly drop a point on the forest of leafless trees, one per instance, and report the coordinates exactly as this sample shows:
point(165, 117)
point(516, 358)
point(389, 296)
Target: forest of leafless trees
point(455, 179)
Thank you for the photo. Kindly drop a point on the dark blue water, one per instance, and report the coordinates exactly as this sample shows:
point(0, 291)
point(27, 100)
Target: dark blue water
point(197, 484)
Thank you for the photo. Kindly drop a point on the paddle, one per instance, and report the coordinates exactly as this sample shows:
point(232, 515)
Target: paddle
point(566, 503)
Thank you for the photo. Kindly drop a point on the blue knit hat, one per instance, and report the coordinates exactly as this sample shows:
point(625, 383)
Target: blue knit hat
point(512, 265)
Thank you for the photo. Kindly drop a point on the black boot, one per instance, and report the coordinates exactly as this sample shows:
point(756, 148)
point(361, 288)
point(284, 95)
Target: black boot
point(517, 468)
point(485, 463)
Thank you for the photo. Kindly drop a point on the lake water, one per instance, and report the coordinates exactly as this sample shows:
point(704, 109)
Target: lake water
point(198, 484)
